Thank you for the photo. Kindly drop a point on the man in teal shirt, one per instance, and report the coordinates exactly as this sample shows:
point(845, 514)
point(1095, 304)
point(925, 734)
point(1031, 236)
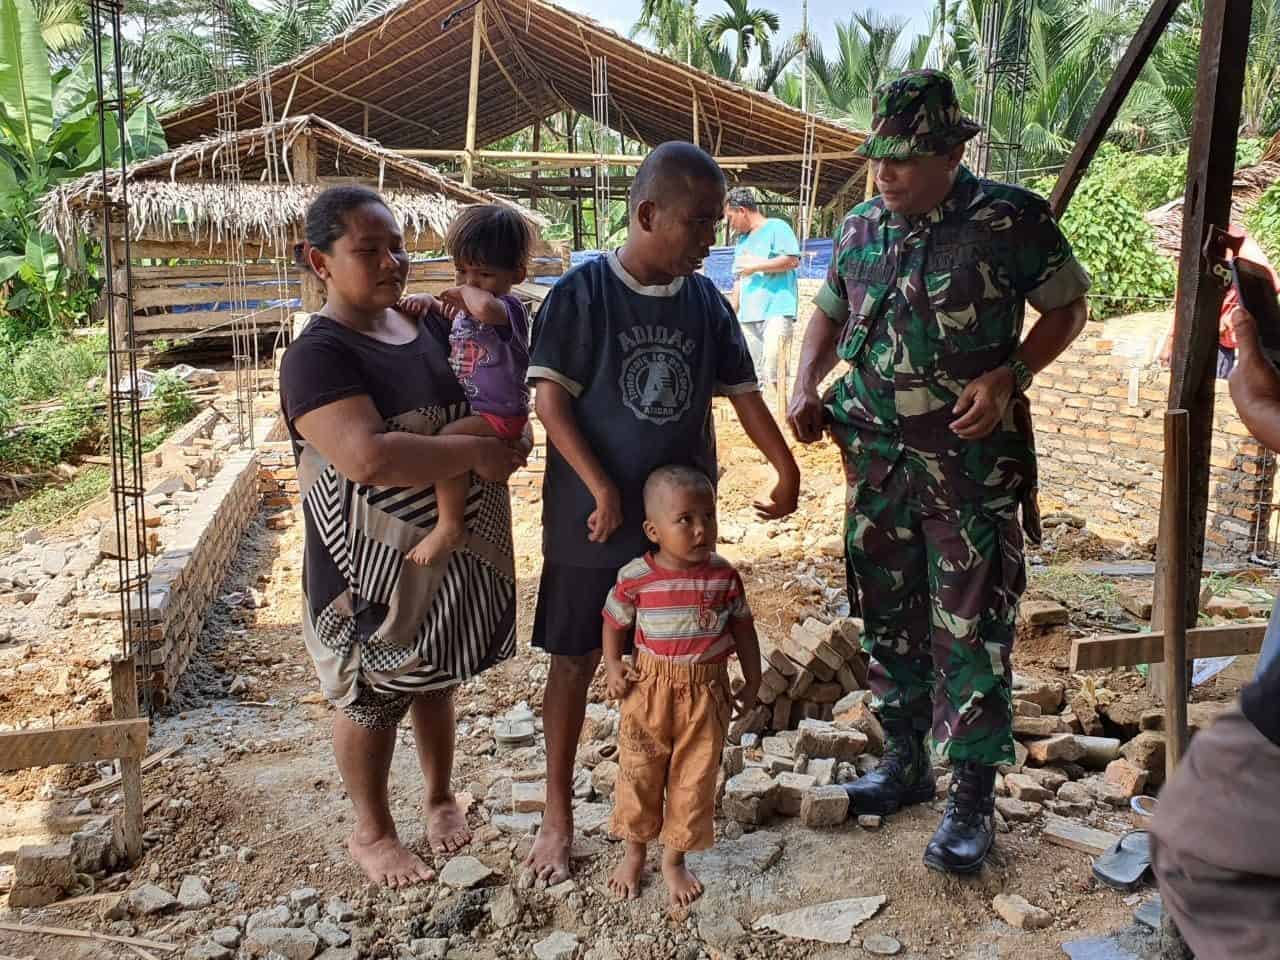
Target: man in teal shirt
point(765, 293)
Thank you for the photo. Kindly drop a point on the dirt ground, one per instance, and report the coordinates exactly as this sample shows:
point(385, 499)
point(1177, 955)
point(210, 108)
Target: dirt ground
point(252, 801)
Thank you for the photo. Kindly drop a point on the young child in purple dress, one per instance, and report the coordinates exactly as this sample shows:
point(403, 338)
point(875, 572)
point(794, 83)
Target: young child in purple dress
point(489, 340)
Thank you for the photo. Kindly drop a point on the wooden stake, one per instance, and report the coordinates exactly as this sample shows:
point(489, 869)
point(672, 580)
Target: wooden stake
point(89, 935)
point(305, 170)
point(533, 174)
point(124, 706)
point(473, 94)
point(1175, 510)
point(871, 182)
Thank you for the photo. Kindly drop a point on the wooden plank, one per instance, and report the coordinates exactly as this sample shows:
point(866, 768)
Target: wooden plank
point(1130, 649)
point(1210, 172)
point(1174, 516)
point(89, 935)
point(177, 294)
point(200, 319)
point(108, 782)
point(473, 92)
point(1075, 836)
point(150, 276)
point(124, 706)
point(81, 743)
point(1113, 97)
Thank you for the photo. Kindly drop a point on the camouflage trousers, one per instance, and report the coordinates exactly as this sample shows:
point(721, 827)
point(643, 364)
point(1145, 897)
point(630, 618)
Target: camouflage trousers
point(939, 586)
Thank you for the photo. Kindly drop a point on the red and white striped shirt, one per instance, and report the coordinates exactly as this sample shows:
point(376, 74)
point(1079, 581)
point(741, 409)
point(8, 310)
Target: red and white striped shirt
point(682, 615)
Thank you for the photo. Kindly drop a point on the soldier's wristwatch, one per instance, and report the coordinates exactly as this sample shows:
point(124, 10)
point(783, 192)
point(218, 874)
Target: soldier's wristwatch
point(1022, 374)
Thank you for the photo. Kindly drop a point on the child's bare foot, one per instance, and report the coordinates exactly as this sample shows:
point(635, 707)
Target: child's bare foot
point(447, 829)
point(549, 858)
point(683, 886)
point(385, 860)
point(625, 880)
point(438, 544)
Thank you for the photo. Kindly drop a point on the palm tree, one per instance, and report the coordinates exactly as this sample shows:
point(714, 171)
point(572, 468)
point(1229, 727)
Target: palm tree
point(869, 51)
point(749, 25)
point(181, 65)
point(61, 24)
point(672, 27)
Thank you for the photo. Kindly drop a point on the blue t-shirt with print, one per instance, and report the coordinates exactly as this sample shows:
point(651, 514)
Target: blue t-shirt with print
point(766, 295)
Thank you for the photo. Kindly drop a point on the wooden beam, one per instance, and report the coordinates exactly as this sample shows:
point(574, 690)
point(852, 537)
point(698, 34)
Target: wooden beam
point(308, 169)
point(1131, 649)
point(1075, 836)
point(79, 743)
point(473, 92)
point(695, 115)
point(1113, 97)
point(124, 706)
point(1174, 510)
point(616, 159)
point(1210, 172)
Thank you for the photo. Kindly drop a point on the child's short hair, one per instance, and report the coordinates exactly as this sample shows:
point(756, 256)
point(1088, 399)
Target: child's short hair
point(677, 476)
point(491, 235)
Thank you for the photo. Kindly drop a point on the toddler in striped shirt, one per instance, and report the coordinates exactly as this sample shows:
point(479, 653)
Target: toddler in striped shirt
point(685, 610)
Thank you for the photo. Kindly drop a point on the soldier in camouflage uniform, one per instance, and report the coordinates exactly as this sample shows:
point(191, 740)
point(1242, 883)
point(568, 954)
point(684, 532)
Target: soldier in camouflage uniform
point(924, 300)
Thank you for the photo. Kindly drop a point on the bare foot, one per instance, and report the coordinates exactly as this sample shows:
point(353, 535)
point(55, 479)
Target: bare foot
point(683, 886)
point(625, 881)
point(437, 545)
point(549, 858)
point(447, 829)
point(386, 860)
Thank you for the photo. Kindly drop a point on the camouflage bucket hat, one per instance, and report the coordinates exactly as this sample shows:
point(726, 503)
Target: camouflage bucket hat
point(914, 115)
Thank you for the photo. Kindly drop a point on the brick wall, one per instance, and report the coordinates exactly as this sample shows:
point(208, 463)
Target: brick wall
point(187, 575)
point(1099, 418)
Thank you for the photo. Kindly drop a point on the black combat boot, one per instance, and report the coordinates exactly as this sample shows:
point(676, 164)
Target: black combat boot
point(903, 777)
point(968, 828)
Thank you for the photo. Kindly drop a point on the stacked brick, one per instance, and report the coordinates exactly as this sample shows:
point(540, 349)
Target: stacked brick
point(805, 675)
point(1099, 420)
point(277, 475)
point(186, 577)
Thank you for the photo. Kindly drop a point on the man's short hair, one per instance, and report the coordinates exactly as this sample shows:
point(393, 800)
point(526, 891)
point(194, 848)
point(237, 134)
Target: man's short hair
point(675, 476)
point(743, 198)
point(669, 170)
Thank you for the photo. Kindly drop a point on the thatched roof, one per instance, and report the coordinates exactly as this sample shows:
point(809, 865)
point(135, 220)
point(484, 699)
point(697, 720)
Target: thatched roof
point(1249, 184)
point(403, 78)
point(181, 195)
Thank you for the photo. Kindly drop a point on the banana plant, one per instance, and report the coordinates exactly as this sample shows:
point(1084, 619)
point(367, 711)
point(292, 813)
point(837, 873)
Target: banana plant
point(49, 133)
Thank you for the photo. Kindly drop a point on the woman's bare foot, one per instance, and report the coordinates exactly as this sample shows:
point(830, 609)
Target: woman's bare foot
point(625, 881)
point(438, 544)
point(549, 858)
point(447, 829)
point(385, 860)
point(683, 886)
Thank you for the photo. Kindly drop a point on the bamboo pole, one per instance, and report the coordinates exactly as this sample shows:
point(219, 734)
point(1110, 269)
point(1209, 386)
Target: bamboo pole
point(614, 159)
point(1175, 505)
point(473, 94)
point(695, 115)
point(533, 174)
point(871, 182)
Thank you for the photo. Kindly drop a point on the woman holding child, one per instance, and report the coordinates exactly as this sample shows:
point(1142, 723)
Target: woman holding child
point(395, 618)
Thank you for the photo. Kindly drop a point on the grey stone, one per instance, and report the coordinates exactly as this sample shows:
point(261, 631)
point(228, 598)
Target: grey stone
point(832, 922)
point(463, 873)
point(517, 823)
point(824, 807)
point(292, 943)
point(271, 917)
point(339, 910)
point(332, 934)
point(720, 930)
point(750, 797)
point(1097, 948)
point(148, 900)
point(304, 897)
point(432, 948)
point(208, 951)
point(751, 855)
point(591, 819)
point(558, 946)
point(504, 908)
point(193, 894)
point(53, 561)
point(822, 771)
point(882, 945)
point(311, 915)
point(50, 865)
point(869, 821)
point(226, 936)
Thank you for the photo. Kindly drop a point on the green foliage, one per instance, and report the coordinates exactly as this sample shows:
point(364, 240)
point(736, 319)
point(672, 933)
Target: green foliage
point(48, 367)
point(1116, 246)
point(1263, 222)
point(174, 401)
point(48, 439)
point(49, 132)
point(1147, 180)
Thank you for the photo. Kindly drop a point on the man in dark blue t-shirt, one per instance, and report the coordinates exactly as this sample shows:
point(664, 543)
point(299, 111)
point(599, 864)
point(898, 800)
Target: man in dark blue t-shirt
point(628, 351)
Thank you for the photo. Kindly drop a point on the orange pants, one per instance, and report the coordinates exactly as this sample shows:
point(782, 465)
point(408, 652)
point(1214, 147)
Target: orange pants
point(674, 721)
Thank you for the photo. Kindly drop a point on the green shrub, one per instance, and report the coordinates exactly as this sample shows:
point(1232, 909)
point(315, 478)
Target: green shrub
point(48, 438)
point(1117, 247)
point(1147, 180)
point(1263, 222)
point(174, 403)
point(48, 367)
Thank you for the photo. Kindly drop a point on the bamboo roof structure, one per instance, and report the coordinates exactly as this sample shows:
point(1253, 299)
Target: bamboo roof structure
point(404, 79)
point(179, 195)
point(1247, 186)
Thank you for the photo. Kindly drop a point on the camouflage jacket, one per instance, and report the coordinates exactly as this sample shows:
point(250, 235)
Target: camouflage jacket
point(928, 304)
